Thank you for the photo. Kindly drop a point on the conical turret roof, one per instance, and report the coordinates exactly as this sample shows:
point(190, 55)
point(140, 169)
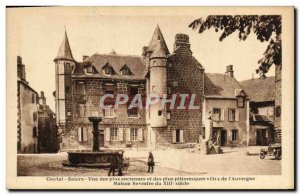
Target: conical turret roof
point(158, 50)
point(158, 43)
point(65, 52)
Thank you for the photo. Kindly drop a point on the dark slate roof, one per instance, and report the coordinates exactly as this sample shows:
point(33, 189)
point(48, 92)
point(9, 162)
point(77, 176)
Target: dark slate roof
point(158, 37)
point(158, 50)
point(260, 90)
point(221, 85)
point(65, 52)
point(136, 64)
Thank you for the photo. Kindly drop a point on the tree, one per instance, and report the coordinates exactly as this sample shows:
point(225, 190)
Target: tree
point(265, 27)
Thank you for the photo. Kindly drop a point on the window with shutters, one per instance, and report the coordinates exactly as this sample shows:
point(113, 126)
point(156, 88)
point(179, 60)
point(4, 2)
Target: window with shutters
point(216, 116)
point(134, 134)
point(82, 134)
point(113, 134)
point(231, 115)
point(234, 135)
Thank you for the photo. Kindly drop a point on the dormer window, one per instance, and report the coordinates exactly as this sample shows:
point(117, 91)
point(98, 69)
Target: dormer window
point(240, 95)
point(240, 102)
point(90, 69)
point(125, 70)
point(108, 70)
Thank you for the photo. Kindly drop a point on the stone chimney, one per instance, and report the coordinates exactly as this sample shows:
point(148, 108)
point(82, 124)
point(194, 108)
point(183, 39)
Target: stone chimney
point(21, 69)
point(42, 100)
point(182, 42)
point(84, 57)
point(229, 70)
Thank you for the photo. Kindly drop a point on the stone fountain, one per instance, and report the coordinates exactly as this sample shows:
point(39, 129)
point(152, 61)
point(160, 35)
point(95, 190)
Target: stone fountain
point(94, 158)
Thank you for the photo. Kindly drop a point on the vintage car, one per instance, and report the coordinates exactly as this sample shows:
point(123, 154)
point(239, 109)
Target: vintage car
point(273, 150)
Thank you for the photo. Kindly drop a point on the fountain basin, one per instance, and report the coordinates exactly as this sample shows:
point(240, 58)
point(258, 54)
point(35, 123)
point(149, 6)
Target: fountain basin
point(92, 159)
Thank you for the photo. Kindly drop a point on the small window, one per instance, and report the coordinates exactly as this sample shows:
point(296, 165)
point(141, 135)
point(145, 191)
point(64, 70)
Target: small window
point(133, 134)
point(34, 132)
point(109, 112)
point(240, 102)
point(90, 69)
point(133, 112)
point(34, 116)
point(33, 98)
point(234, 135)
point(125, 71)
point(231, 115)
point(80, 88)
point(160, 113)
point(109, 92)
point(216, 114)
point(113, 134)
point(82, 134)
point(108, 70)
point(81, 111)
point(133, 91)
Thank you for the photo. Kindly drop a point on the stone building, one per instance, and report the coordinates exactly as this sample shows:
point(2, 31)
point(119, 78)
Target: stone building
point(262, 109)
point(27, 113)
point(80, 85)
point(47, 131)
point(225, 110)
point(278, 102)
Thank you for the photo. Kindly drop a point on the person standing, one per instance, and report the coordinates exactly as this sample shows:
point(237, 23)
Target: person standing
point(150, 163)
point(113, 164)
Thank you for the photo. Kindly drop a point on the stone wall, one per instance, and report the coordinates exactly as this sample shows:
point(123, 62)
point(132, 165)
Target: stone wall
point(278, 101)
point(240, 125)
point(184, 76)
point(28, 121)
point(95, 88)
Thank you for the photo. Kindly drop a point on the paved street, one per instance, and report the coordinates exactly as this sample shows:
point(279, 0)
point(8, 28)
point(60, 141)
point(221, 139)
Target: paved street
point(168, 162)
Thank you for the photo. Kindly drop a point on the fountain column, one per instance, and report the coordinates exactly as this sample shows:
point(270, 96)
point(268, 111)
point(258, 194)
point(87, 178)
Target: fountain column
point(95, 120)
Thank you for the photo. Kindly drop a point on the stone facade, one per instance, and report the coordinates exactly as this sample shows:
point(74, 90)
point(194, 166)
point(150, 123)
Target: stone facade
point(48, 138)
point(224, 127)
point(27, 113)
point(225, 110)
point(80, 85)
point(278, 102)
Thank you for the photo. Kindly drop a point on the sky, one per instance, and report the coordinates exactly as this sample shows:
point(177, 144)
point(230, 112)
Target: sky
point(39, 32)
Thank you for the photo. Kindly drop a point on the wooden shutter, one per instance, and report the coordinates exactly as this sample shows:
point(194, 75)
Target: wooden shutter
point(174, 136)
point(181, 136)
point(140, 134)
point(107, 134)
point(127, 134)
point(84, 133)
point(237, 115)
point(79, 134)
point(120, 134)
point(222, 114)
